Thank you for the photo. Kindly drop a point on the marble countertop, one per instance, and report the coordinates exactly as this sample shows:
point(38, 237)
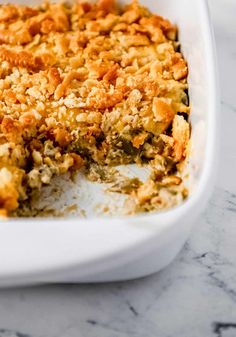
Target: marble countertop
point(194, 297)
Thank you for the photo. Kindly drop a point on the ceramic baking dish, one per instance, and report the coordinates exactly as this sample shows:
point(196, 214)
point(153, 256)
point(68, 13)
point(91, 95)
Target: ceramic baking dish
point(98, 249)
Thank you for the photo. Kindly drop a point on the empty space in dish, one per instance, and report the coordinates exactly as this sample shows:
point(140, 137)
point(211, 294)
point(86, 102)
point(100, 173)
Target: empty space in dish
point(76, 196)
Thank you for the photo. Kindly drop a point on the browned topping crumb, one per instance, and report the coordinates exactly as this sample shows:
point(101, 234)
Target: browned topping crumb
point(95, 85)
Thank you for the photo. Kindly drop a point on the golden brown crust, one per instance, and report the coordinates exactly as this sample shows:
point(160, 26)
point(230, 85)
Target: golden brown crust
point(3, 213)
point(10, 180)
point(181, 133)
point(20, 59)
point(106, 6)
point(62, 87)
point(12, 12)
point(20, 37)
point(111, 75)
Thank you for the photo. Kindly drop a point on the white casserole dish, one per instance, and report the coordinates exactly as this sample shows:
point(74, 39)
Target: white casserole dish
point(109, 249)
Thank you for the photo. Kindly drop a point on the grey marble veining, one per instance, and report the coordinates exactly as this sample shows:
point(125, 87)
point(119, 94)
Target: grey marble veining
point(194, 297)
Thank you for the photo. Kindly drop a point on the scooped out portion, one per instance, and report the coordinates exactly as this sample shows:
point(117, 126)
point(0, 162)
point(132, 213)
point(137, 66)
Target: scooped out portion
point(93, 86)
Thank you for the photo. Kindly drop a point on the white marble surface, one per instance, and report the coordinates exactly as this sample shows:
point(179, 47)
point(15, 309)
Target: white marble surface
point(194, 297)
